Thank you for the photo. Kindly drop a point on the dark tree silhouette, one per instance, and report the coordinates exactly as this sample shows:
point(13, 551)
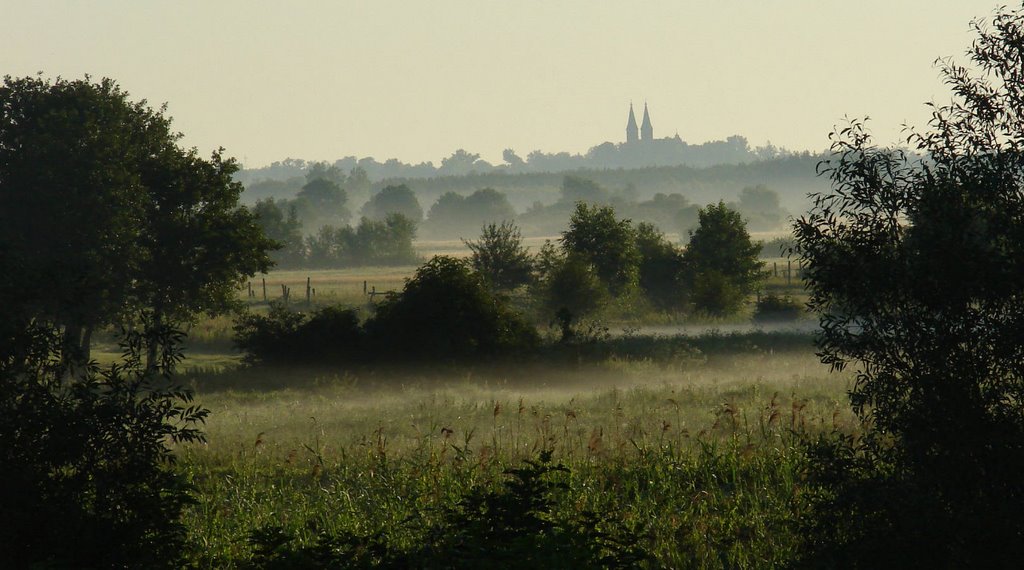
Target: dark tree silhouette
point(721, 261)
point(916, 268)
point(500, 256)
point(104, 216)
point(394, 200)
point(609, 244)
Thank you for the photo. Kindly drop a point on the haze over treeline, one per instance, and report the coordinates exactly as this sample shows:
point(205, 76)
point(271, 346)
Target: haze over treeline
point(661, 181)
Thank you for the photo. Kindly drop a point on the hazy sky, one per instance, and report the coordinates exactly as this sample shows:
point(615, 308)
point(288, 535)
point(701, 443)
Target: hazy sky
point(415, 80)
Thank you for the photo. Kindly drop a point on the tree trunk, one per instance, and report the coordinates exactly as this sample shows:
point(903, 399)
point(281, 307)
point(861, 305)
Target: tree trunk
point(72, 359)
point(152, 344)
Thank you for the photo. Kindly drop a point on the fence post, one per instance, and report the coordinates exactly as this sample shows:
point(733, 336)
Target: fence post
point(309, 297)
point(775, 268)
point(264, 289)
point(364, 287)
point(789, 272)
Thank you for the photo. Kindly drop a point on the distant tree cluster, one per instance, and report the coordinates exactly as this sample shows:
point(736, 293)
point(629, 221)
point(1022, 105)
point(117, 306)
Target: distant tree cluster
point(457, 215)
point(759, 205)
point(445, 311)
point(372, 242)
point(602, 257)
point(713, 274)
point(534, 195)
point(464, 309)
point(388, 241)
point(663, 152)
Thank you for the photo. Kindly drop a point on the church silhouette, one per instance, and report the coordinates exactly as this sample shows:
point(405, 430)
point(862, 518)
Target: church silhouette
point(646, 131)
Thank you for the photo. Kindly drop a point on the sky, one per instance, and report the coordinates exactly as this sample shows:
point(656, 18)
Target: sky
point(416, 79)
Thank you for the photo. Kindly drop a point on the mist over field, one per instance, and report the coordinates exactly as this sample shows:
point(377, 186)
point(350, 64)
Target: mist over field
point(544, 285)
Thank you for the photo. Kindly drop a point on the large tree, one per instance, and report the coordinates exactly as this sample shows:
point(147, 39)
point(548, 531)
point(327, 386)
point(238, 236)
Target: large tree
point(721, 262)
point(104, 216)
point(597, 237)
point(915, 264)
point(322, 202)
point(500, 256)
point(394, 200)
point(280, 222)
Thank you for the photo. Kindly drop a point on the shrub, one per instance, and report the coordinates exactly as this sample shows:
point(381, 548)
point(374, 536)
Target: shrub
point(447, 311)
point(773, 308)
point(572, 291)
point(330, 334)
point(500, 256)
point(87, 472)
point(936, 480)
point(715, 293)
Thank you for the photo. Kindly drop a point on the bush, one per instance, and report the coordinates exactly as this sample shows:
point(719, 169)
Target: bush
point(936, 480)
point(721, 261)
point(87, 472)
point(715, 294)
point(774, 308)
point(571, 291)
point(330, 334)
point(500, 256)
point(447, 311)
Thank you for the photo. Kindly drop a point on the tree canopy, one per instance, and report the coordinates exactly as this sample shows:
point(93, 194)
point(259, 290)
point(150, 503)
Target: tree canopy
point(914, 264)
point(721, 260)
point(500, 256)
point(394, 200)
point(103, 215)
point(457, 215)
point(609, 244)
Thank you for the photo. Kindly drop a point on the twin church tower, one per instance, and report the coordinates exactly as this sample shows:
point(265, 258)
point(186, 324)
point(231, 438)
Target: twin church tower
point(646, 130)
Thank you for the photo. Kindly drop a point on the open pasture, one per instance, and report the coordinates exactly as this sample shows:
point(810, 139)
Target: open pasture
point(695, 454)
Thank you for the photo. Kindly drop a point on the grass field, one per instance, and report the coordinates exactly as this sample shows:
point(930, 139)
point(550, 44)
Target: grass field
point(697, 456)
point(694, 459)
point(346, 285)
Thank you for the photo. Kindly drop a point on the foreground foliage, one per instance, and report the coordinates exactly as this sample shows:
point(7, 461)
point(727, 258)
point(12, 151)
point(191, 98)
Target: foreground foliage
point(103, 214)
point(731, 498)
point(514, 526)
point(939, 362)
point(88, 478)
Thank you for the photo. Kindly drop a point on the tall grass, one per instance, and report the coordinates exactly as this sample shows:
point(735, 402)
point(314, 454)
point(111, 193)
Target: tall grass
point(698, 457)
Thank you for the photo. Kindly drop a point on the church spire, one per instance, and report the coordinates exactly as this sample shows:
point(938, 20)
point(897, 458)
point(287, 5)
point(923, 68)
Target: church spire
point(631, 131)
point(646, 129)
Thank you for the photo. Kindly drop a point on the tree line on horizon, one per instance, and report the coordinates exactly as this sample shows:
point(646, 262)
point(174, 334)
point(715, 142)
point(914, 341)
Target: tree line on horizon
point(316, 228)
point(734, 149)
point(792, 176)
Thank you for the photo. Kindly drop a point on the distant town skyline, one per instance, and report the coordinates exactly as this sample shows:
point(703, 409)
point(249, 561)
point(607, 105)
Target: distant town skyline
point(416, 81)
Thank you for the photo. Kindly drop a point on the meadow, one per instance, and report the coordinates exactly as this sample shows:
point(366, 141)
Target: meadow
point(698, 459)
point(689, 457)
point(692, 458)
